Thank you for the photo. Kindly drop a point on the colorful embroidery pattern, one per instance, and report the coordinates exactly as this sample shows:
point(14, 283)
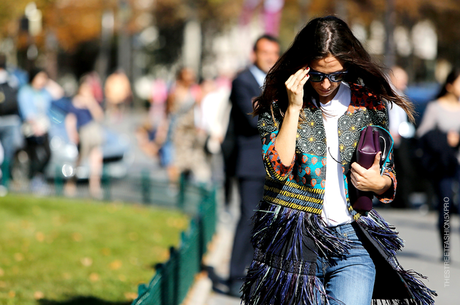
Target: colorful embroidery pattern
point(293, 195)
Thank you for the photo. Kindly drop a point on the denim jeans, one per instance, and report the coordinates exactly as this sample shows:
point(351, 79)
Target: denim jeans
point(10, 135)
point(348, 279)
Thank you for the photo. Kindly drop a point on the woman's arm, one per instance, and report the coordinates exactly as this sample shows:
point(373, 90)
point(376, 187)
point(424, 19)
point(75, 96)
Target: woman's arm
point(428, 121)
point(286, 140)
point(96, 110)
point(71, 128)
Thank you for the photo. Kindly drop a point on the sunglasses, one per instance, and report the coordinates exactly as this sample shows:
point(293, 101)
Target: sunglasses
point(335, 77)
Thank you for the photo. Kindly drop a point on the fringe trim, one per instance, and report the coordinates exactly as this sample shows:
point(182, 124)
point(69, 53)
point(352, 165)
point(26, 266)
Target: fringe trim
point(421, 294)
point(395, 302)
point(387, 237)
point(291, 228)
point(384, 233)
point(266, 285)
point(287, 243)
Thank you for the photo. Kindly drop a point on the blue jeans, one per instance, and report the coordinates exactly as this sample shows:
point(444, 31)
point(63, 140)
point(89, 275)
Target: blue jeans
point(11, 137)
point(348, 279)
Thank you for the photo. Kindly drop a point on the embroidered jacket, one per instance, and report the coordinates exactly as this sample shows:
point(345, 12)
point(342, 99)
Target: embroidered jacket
point(289, 233)
point(305, 177)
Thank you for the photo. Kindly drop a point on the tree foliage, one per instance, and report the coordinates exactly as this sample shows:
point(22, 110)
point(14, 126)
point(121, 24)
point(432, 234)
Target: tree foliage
point(74, 22)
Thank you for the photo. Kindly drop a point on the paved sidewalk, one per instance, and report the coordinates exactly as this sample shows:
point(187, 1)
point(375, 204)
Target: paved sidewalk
point(421, 252)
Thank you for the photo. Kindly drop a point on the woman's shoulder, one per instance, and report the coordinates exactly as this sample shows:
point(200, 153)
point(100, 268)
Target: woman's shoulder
point(433, 104)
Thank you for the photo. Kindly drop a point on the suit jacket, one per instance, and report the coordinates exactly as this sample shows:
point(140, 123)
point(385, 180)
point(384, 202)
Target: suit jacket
point(247, 144)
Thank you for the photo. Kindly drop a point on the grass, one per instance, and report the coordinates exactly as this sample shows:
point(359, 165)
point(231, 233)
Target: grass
point(61, 251)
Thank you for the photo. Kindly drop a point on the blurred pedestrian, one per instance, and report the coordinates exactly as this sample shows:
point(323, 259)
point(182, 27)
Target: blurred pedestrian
point(311, 245)
point(118, 95)
point(189, 132)
point(402, 131)
point(152, 132)
point(439, 133)
point(397, 115)
point(34, 101)
point(215, 112)
point(245, 163)
point(177, 134)
point(10, 122)
point(84, 129)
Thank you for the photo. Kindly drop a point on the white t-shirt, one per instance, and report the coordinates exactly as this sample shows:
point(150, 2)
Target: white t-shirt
point(335, 210)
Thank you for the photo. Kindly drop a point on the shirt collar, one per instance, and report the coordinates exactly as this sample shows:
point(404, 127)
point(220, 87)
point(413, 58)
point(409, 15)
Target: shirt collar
point(259, 75)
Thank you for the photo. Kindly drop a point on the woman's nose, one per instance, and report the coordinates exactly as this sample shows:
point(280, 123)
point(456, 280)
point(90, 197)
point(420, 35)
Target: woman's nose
point(326, 83)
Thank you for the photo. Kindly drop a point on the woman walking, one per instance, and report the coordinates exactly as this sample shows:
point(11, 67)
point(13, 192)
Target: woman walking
point(439, 134)
point(311, 245)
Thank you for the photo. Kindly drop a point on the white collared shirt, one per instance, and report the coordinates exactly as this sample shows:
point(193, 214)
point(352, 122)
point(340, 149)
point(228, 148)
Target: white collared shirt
point(259, 75)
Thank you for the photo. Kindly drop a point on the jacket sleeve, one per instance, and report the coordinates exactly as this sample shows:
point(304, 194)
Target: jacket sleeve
point(268, 125)
point(388, 170)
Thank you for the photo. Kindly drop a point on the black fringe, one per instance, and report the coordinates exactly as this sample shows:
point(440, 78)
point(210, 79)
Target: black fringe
point(287, 243)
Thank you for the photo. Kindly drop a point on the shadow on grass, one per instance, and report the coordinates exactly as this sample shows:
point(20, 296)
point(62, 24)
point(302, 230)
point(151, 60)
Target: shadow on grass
point(81, 301)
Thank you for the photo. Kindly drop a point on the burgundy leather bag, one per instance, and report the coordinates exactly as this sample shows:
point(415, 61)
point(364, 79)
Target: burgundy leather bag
point(372, 140)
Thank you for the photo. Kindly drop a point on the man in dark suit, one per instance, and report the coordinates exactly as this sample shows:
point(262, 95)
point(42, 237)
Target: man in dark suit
point(248, 167)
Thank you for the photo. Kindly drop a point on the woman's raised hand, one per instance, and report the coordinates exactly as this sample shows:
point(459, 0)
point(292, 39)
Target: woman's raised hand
point(294, 87)
point(286, 140)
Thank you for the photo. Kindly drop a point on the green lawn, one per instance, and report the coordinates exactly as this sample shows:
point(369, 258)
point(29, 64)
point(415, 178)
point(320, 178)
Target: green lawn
point(59, 251)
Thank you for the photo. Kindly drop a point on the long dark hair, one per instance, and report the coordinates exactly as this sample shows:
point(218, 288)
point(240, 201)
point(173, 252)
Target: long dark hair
point(319, 38)
point(450, 79)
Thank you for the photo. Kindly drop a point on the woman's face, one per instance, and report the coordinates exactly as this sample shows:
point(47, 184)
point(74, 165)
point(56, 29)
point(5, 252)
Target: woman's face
point(39, 80)
point(326, 89)
point(187, 77)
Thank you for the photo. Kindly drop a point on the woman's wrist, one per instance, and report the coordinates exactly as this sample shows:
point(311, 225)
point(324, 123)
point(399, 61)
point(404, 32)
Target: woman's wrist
point(385, 184)
point(293, 110)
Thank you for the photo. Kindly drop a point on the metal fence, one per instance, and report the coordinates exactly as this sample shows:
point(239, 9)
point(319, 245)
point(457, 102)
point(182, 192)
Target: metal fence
point(172, 279)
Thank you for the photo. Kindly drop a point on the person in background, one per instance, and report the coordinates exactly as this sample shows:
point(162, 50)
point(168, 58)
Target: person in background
point(397, 115)
point(215, 112)
point(439, 134)
point(154, 128)
point(10, 122)
point(84, 129)
point(180, 100)
point(34, 101)
point(118, 94)
point(189, 132)
point(402, 132)
point(248, 167)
